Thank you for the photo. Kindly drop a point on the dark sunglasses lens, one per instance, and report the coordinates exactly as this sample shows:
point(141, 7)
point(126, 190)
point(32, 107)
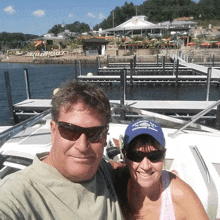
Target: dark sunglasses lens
point(156, 156)
point(73, 132)
point(137, 156)
point(95, 134)
point(69, 133)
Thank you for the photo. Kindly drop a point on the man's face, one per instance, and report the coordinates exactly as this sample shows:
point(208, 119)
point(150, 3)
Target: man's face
point(77, 160)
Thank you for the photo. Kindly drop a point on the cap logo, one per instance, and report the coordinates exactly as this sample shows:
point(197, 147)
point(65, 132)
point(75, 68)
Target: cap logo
point(144, 124)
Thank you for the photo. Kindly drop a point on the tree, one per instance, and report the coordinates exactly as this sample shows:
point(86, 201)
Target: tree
point(56, 29)
point(75, 27)
point(15, 40)
point(121, 14)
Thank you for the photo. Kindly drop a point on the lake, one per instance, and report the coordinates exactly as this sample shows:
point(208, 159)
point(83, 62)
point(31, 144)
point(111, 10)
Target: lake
point(44, 78)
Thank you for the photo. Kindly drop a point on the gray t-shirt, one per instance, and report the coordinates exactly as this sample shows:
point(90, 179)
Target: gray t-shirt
point(40, 192)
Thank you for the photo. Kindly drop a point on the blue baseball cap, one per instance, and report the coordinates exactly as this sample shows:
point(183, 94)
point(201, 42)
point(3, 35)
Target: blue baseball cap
point(144, 126)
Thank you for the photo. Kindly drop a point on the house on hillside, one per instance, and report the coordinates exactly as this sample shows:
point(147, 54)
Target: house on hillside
point(51, 39)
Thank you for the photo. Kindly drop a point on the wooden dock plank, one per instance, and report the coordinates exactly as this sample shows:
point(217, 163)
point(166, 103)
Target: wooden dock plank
point(33, 105)
point(148, 79)
point(203, 69)
point(154, 105)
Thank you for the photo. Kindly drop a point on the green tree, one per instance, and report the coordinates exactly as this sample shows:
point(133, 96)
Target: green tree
point(77, 27)
point(120, 14)
point(15, 40)
point(56, 29)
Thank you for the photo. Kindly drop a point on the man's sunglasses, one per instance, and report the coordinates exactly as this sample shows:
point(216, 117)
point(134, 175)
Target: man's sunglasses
point(138, 156)
point(73, 132)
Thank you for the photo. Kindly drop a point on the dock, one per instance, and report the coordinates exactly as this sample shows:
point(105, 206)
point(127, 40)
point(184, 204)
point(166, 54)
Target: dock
point(177, 72)
point(178, 109)
point(196, 74)
point(138, 80)
point(141, 70)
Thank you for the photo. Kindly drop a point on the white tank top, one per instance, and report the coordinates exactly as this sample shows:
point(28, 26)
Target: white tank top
point(167, 211)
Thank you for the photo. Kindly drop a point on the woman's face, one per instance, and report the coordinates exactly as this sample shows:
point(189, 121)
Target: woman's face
point(145, 173)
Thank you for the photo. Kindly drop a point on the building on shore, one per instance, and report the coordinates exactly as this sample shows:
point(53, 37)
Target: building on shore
point(139, 25)
point(94, 46)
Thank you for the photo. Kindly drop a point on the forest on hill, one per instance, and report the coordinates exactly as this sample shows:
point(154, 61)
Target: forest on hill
point(15, 40)
point(204, 12)
point(155, 10)
point(164, 10)
point(78, 27)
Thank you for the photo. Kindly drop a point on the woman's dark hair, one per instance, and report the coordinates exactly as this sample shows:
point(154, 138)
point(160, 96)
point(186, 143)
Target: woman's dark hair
point(144, 140)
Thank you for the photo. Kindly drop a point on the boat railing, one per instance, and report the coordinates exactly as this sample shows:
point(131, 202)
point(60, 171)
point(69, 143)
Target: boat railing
point(165, 121)
point(203, 164)
point(7, 134)
point(195, 118)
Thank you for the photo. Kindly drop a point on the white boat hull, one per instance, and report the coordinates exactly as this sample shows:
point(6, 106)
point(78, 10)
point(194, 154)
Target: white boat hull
point(194, 155)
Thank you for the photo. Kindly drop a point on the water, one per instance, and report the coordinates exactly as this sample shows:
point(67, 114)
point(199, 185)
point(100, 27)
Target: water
point(44, 78)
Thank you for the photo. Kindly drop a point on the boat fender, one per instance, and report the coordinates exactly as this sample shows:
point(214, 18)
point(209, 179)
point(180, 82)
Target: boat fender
point(55, 91)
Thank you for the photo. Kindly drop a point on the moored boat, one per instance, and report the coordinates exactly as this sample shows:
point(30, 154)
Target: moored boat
point(192, 149)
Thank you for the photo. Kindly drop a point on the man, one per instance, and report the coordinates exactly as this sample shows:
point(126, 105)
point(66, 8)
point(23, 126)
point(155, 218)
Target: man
point(72, 181)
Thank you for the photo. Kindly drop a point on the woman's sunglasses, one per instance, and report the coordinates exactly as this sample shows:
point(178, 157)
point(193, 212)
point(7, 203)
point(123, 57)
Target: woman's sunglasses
point(73, 132)
point(138, 156)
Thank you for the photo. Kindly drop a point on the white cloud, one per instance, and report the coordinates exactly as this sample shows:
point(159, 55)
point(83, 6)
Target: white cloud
point(91, 15)
point(101, 16)
point(70, 15)
point(39, 13)
point(10, 10)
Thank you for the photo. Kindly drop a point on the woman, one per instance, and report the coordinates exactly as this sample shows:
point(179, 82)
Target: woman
point(145, 190)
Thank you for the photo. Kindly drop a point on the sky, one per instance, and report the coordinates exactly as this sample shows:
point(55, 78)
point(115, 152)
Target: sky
point(37, 17)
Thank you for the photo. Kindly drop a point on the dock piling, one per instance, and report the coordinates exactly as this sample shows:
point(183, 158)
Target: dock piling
point(213, 60)
point(123, 77)
point(131, 72)
point(177, 72)
point(80, 67)
point(11, 108)
point(98, 62)
point(108, 58)
point(163, 64)
point(209, 71)
point(217, 119)
point(135, 60)
point(174, 63)
point(27, 84)
point(75, 62)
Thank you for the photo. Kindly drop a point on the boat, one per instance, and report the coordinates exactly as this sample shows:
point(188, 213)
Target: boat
point(192, 149)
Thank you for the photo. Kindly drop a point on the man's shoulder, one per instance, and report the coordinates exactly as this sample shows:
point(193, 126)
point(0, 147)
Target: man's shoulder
point(104, 164)
point(14, 179)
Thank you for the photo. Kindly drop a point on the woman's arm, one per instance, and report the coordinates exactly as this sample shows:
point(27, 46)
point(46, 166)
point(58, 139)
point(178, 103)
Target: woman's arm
point(187, 204)
point(116, 165)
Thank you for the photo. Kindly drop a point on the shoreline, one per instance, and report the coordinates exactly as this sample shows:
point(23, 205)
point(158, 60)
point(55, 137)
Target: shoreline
point(205, 54)
point(66, 59)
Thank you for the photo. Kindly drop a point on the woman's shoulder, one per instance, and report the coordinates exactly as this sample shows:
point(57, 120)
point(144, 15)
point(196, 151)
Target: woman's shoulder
point(180, 189)
point(185, 199)
point(178, 186)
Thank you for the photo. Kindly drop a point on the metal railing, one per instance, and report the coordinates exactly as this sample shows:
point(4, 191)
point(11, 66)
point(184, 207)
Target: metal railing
point(9, 133)
point(195, 118)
